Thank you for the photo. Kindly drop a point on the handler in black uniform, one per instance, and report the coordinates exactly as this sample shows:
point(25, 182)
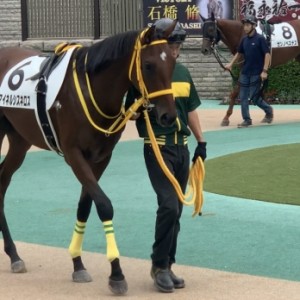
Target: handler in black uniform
point(173, 143)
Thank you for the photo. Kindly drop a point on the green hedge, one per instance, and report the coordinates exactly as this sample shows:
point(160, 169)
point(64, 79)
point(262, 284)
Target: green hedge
point(283, 84)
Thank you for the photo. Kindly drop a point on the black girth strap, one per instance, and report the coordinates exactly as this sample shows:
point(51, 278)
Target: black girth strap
point(41, 90)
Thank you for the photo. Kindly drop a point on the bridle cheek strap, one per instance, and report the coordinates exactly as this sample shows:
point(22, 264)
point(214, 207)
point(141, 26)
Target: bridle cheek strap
point(136, 58)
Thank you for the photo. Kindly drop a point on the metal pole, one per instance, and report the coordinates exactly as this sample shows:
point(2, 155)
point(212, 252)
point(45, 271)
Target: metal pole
point(24, 20)
point(96, 19)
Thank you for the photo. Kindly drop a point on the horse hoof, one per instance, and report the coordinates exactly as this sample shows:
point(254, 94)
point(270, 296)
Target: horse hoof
point(118, 287)
point(18, 267)
point(225, 123)
point(81, 276)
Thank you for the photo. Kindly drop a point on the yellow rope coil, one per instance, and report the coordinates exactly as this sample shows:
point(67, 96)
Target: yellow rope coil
point(87, 79)
point(194, 195)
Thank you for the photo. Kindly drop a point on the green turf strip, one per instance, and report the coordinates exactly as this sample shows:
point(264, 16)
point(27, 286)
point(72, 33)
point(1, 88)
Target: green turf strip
point(268, 174)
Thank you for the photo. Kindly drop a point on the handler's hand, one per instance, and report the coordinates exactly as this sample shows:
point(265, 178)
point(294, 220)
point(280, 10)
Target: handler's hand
point(228, 67)
point(263, 75)
point(200, 151)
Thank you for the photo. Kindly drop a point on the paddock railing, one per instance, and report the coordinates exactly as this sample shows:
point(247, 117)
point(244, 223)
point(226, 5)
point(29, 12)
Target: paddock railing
point(44, 19)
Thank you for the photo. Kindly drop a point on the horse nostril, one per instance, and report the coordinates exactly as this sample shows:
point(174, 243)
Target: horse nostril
point(166, 120)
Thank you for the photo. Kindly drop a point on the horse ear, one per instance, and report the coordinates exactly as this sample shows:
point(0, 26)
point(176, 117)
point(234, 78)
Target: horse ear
point(169, 30)
point(151, 33)
point(202, 19)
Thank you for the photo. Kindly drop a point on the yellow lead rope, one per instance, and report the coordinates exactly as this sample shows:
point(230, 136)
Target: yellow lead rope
point(194, 194)
point(108, 131)
point(87, 79)
point(197, 171)
point(122, 117)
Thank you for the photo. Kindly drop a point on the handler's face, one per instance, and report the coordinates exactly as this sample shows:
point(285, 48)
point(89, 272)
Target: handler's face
point(175, 49)
point(248, 28)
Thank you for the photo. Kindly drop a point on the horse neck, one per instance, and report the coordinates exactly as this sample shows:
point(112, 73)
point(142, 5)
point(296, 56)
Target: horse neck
point(231, 33)
point(109, 86)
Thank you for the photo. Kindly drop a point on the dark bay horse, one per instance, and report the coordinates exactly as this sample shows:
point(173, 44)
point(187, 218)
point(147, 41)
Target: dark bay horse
point(84, 116)
point(230, 32)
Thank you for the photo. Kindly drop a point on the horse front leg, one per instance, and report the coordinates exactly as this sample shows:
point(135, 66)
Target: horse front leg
point(233, 96)
point(89, 175)
point(80, 273)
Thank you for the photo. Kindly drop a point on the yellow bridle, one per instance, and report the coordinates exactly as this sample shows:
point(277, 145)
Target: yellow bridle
point(136, 57)
point(122, 117)
point(197, 171)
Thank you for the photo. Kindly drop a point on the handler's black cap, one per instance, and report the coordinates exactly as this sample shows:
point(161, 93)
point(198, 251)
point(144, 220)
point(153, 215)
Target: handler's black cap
point(177, 36)
point(250, 19)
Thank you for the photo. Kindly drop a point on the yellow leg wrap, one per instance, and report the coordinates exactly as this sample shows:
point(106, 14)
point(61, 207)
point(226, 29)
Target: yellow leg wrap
point(112, 251)
point(75, 247)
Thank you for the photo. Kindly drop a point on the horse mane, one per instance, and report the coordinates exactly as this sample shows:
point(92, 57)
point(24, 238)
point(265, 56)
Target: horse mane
point(102, 53)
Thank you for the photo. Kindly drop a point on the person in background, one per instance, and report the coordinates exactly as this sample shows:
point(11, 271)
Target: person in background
point(212, 8)
point(220, 10)
point(254, 71)
point(173, 143)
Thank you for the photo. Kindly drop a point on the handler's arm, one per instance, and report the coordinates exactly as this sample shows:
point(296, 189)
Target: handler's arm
point(267, 62)
point(195, 126)
point(236, 57)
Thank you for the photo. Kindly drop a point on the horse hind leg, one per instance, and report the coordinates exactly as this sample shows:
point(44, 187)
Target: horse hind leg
point(117, 282)
point(12, 161)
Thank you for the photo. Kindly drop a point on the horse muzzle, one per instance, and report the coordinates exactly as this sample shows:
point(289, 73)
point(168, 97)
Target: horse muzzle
point(164, 107)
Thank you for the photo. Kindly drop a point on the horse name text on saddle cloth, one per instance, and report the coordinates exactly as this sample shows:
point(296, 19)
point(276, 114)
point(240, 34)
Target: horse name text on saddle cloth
point(19, 91)
point(282, 35)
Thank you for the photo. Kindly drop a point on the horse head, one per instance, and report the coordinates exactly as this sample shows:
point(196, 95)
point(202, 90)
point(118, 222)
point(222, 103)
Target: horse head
point(153, 76)
point(210, 32)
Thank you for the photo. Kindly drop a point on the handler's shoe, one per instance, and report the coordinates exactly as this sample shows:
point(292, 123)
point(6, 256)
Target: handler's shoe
point(268, 118)
point(245, 123)
point(162, 279)
point(177, 281)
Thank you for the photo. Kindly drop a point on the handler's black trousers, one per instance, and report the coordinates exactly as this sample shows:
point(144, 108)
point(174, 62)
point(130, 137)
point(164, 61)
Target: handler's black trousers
point(169, 206)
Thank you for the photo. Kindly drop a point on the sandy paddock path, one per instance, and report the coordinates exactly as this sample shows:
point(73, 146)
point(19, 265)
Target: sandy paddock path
point(49, 268)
